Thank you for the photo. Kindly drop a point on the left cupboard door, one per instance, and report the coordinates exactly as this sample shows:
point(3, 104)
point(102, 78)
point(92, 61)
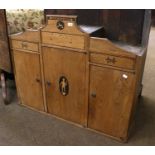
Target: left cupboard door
point(28, 79)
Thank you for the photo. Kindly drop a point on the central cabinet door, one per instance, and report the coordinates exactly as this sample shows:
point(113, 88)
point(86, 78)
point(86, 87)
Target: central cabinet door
point(110, 100)
point(65, 75)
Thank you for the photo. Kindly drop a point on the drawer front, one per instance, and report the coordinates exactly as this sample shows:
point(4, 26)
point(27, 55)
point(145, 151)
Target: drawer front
point(24, 45)
point(115, 61)
point(73, 41)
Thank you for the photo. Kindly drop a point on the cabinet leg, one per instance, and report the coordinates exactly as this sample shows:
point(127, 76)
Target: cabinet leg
point(4, 88)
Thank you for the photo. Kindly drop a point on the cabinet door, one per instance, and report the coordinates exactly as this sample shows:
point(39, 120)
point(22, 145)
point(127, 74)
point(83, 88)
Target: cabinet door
point(28, 79)
point(65, 83)
point(110, 100)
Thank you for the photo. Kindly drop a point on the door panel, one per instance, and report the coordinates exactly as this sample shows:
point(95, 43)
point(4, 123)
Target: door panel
point(71, 66)
point(28, 79)
point(110, 100)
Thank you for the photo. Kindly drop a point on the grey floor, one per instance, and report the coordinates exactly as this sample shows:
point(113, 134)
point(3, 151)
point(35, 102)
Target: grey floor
point(22, 126)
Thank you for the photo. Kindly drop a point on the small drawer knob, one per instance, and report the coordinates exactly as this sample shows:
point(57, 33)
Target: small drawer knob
point(38, 80)
point(93, 94)
point(48, 83)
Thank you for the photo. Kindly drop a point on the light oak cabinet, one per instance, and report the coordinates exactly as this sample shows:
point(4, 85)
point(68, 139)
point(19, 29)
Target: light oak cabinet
point(72, 73)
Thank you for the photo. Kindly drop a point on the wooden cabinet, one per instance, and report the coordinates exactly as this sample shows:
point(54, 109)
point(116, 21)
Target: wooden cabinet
point(65, 68)
point(110, 97)
point(70, 72)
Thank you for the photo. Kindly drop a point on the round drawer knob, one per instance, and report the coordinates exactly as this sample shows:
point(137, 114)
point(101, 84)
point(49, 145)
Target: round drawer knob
point(48, 83)
point(38, 80)
point(93, 94)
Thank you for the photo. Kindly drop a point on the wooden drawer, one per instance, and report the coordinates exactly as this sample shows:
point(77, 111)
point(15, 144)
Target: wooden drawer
point(73, 41)
point(115, 61)
point(24, 45)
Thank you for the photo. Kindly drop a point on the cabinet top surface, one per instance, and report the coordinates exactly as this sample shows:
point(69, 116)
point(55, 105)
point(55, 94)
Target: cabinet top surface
point(29, 35)
point(102, 45)
point(68, 25)
point(137, 50)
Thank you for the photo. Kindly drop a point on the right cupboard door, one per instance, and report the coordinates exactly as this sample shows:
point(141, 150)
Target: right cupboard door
point(110, 100)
